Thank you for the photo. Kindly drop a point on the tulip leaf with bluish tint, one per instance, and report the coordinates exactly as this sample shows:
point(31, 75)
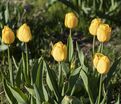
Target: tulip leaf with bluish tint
point(81, 58)
point(34, 71)
point(118, 100)
point(65, 68)
point(51, 81)
point(86, 84)
point(19, 95)
point(38, 100)
point(69, 48)
point(3, 47)
point(39, 81)
point(8, 94)
point(112, 71)
point(30, 90)
point(7, 13)
point(18, 75)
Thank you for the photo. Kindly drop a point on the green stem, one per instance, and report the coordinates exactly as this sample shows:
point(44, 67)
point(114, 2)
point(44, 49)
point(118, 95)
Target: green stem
point(100, 90)
point(60, 74)
point(101, 47)
point(27, 62)
point(10, 66)
point(70, 32)
point(93, 47)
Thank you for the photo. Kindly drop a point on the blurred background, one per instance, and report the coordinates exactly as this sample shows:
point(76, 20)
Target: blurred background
point(46, 20)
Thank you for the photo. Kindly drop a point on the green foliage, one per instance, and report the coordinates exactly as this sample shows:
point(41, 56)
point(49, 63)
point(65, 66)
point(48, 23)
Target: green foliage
point(42, 80)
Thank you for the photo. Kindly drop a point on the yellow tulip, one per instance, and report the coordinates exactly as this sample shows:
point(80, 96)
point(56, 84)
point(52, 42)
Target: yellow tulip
point(96, 59)
point(59, 51)
point(24, 33)
point(8, 36)
point(71, 20)
point(94, 26)
point(103, 33)
point(103, 65)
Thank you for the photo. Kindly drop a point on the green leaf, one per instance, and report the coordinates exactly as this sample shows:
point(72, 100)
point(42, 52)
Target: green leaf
point(51, 81)
point(70, 100)
point(18, 75)
point(118, 100)
point(65, 68)
point(19, 95)
point(70, 48)
point(30, 90)
point(3, 47)
point(81, 58)
point(86, 84)
point(73, 79)
point(34, 71)
point(39, 81)
point(8, 94)
point(7, 13)
point(76, 71)
point(38, 100)
point(112, 71)
point(60, 76)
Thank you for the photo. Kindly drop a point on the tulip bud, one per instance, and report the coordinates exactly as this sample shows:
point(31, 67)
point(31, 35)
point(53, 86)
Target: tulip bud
point(103, 65)
point(94, 26)
point(103, 33)
point(7, 35)
point(96, 59)
point(59, 51)
point(24, 33)
point(71, 20)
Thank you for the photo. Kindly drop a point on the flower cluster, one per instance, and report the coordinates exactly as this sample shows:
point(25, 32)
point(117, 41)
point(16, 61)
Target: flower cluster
point(23, 34)
point(100, 29)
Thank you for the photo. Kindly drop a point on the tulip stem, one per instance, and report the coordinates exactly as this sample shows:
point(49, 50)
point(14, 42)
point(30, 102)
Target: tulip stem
point(93, 47)
point(27, 63)
point(70, 32)
point(10, 66)
point(101, 47)
point(60, 75)
point(100, 89)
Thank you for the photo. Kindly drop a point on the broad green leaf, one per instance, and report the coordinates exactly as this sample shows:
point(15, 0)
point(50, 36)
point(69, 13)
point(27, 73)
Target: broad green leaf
point(38, 100)
point(86, 84)
point(65, 88)
point(19, 95)
point(8, 94)
point(39, 81)
point(34, 71)
point(51, 81)
point(81, 58)
point(3, 47)
point(65, 69)
point(70, 48)
point(118, 100)
point(72, 80)
point(30, 90)
point(76, 71)
point(7, 13)
point(18, 75)
point(60, 76)
point(112, 71)
point(70, 100)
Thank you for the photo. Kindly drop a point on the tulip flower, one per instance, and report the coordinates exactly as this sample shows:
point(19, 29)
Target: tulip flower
point(59, 51)
point(8, 36)
point(71, 20)
point(103, 33)
point(24, 33)
point(101, 63)
point(94, 26)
